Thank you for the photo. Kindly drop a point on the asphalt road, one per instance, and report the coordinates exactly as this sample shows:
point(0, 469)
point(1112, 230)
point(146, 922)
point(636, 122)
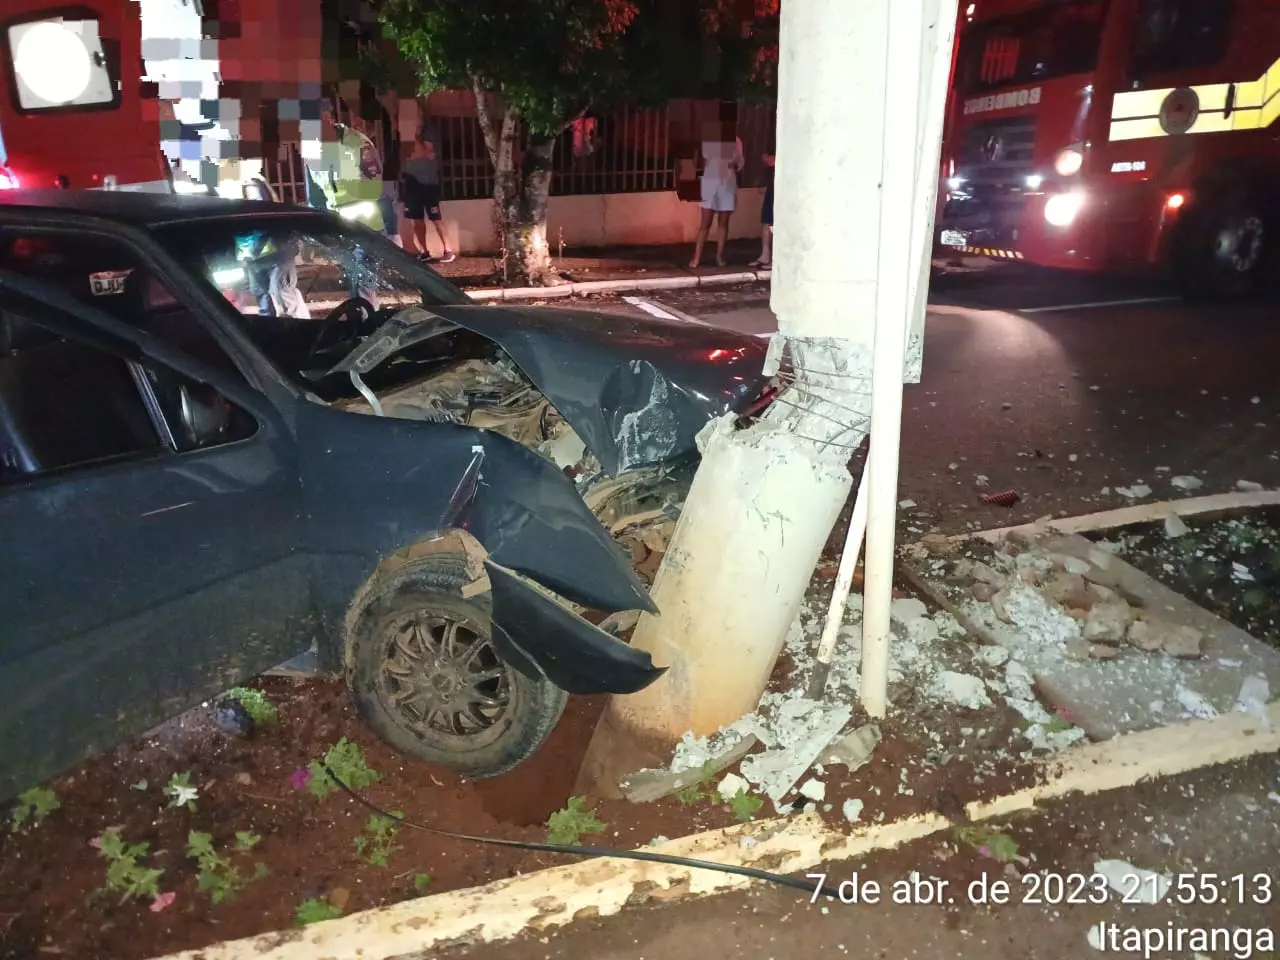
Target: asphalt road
point(1064, 388)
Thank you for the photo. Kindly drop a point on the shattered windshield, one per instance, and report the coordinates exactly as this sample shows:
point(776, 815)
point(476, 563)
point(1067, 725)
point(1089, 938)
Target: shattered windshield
point(310, 291)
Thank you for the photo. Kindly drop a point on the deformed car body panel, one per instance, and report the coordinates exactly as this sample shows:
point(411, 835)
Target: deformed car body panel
point(542, 638)
point(637, 390)
point(376, 485)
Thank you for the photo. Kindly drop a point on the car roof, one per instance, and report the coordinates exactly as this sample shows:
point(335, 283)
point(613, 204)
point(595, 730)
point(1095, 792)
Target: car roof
point(141, 209)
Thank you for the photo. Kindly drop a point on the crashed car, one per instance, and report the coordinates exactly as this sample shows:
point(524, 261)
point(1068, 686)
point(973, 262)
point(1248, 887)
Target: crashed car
point(211, 460)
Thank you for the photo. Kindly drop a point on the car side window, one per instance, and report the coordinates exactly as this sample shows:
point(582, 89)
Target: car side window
point(110, 276)
point(67, 403)
point(1177, 35)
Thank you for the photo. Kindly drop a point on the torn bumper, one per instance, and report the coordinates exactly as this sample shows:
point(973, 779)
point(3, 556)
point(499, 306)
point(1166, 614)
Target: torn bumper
point(542, 639)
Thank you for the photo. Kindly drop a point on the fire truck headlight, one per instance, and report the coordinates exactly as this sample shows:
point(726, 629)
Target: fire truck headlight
point(1062, 209)
point(53, 61)
point(1069, 162)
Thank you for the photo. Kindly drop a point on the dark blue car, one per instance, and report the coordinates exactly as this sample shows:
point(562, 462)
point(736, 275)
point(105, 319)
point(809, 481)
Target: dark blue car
point(215, 455)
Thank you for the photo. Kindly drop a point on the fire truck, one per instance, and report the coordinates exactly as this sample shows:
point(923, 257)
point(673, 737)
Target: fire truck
point(72, 109)
point(1104, 135)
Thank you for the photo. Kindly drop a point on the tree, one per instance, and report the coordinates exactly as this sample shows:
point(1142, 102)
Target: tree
point(538, 65)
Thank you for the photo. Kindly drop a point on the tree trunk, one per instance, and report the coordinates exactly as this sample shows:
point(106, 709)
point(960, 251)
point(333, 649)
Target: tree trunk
point(521, 186)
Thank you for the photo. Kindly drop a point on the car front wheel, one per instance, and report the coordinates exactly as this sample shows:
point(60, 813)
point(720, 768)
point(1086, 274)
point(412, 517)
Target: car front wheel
point(426, 677)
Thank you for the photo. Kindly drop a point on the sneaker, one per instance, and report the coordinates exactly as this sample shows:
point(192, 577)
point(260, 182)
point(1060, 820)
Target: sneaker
point(449, 257)
point(426, 258)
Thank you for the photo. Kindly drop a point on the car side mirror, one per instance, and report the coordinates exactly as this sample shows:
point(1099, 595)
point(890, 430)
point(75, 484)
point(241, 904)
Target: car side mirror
point(205, 415)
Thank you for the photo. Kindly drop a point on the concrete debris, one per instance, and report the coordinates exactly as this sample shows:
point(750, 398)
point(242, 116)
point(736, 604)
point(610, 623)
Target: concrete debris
point(1101, 651)
point(906, 504)
point(1255, 693)
point(1000, 604)
point(659, 841)
point(1144, 635)
point(1036, 617)
point(814, 790)
point(1135, 492)
point(1152, 887)
point(731, 786)
point(854, 749)
point(1194, 704)
point(967, 569)
point(852, 809)
point(687, 768)
point(1075, 565)
point(800, 731)
point(1240, 572)
point(1187, 483)
point(1248, 486)
point(1175, 526)
point(1107, 623)
point(746, 843)
point(904, 610)
point(939, 544)
point(1182, 642)
point(960, 689)
point(983, 592)
point(1062, 588)
point(993, 655)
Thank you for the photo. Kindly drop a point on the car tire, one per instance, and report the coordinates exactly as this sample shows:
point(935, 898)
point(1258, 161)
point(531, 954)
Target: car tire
point(1223, 249)
point(404, 674)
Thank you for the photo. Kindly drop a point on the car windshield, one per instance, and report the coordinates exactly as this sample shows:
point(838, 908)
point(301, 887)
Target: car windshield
point(308, 289)
point(1052, 41)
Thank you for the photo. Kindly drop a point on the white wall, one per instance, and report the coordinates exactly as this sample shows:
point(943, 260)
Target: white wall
point(611, 219)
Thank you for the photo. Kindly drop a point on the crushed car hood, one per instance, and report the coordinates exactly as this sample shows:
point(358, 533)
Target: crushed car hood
point(636, 389)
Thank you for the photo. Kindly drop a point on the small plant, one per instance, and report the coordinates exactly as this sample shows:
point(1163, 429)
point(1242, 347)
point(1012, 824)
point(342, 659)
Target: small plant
point(377, 843)
point(33, 806)
point(314, 911)
point(421, 881)
point(346, 760)
point(745, 806)
point(217, 875)
point(1056, 724)
point(989, 843)
point(180, 791)
point(699, 791)
point(567, 826)
point(261, 710)
point(125, 874)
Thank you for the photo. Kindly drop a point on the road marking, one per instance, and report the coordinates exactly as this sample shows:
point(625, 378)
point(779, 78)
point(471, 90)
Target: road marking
point(1100, 303)
point(671, 313)
point(649, 308)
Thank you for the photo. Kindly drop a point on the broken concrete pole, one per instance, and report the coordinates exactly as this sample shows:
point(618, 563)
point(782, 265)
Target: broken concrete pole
point(1107, 623)
point(729, 588)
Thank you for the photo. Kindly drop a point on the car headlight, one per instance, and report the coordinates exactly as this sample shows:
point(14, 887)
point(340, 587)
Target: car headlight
point(1062, 209)
point(1069, 161)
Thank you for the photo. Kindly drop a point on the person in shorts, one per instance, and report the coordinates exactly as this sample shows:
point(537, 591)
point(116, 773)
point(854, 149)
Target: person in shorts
point(765, 260)
point(722, 161)
point(420, 191)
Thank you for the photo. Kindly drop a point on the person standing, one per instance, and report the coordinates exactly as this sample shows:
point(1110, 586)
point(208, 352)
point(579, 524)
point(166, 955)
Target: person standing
point(722, 161)
point(765, 259)
point(420, 190)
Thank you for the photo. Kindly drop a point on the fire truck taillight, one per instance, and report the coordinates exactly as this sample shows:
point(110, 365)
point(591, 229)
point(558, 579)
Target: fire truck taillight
point(1175, 201)
point(1062, 209)
point(8, 179)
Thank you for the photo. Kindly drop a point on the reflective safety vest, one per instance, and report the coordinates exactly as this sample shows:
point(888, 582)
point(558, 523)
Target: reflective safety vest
point(352, 180)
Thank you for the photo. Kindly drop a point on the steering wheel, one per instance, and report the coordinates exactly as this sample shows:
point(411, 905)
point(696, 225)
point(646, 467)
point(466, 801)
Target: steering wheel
point(361, 313)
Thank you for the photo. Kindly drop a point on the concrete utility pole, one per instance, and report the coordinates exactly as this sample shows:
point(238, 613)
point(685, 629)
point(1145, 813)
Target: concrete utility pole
point(765, 499)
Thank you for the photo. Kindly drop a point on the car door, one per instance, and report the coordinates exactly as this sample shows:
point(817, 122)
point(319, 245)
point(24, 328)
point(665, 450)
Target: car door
point(150, 531)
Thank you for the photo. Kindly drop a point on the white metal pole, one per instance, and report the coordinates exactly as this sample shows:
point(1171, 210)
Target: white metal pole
point(840, 592)
point(893, 310)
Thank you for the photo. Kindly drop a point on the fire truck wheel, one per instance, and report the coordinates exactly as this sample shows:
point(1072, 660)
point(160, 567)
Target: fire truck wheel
point(1224, 248)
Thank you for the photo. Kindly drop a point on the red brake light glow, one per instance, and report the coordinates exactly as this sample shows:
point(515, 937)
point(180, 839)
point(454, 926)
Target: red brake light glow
point(8, 179)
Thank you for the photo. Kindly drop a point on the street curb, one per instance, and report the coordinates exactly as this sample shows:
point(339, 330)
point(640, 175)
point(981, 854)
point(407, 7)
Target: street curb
point(1138, 513)
point(619, 286)
point(557, 896)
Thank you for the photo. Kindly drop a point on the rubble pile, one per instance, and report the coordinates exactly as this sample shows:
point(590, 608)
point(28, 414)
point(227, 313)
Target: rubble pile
point(1070, 601)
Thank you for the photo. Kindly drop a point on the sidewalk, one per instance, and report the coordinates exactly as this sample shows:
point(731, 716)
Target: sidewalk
point(609, 263)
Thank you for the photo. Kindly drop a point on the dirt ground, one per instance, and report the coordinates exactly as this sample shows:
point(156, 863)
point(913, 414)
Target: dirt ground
point(49, 874)
point(1212, 827)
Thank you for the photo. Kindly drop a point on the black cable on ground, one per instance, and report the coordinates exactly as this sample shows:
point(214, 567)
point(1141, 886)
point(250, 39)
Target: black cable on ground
point(594, 851)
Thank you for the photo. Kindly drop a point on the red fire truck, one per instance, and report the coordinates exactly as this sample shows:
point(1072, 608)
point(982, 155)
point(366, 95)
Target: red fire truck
point(72, 110)
point(1119, 134)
